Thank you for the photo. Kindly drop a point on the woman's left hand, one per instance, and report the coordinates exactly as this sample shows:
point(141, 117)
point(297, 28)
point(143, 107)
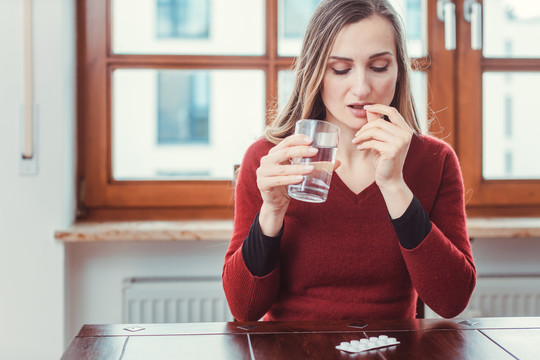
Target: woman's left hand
point(388, 141)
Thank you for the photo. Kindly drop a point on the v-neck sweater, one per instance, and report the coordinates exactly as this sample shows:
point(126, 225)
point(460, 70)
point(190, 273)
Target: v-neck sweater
point(341, 259)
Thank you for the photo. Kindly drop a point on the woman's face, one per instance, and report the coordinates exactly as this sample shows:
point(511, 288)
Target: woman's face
point(362, 69)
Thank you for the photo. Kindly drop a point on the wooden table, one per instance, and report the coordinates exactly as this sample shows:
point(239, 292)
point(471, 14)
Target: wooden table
point(484, 338)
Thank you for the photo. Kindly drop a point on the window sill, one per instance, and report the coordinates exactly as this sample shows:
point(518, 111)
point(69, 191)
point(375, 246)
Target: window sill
point(503, 227)
point(194, 230)
point(202, 230)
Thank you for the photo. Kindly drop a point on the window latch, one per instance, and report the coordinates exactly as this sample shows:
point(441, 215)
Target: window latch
point(472, 12)
point(446, 12)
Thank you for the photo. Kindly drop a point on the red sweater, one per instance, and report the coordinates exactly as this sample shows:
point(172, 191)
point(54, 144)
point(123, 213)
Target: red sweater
point(341, 259)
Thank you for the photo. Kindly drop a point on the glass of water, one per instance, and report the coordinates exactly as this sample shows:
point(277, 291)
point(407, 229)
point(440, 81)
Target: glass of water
point(314, 188)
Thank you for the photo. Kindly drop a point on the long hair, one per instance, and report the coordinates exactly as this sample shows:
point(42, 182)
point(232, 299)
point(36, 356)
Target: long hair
point(327, 21)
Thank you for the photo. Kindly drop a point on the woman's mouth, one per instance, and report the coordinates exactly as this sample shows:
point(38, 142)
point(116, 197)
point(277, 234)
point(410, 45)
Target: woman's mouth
point(357, 109)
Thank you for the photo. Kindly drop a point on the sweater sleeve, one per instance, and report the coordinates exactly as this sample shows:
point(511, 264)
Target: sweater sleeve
point(249, 296)
point(260, 252)
point(441, 266)
point(413, 226)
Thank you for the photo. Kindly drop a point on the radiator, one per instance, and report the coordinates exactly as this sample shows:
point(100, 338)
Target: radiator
point(502, 296)
point(174, 300)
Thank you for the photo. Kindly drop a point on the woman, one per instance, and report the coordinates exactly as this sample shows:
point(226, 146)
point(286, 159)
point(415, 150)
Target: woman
point(393, 227)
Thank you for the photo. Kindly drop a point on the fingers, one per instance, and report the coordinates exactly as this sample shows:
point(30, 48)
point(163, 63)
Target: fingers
point(267, 184)
point(293, 140)
point(386, 137)
point(275, 168)
point(294, 146)
point(284, 174)
point(371, 115)
point(382, 133)
point(376, 111)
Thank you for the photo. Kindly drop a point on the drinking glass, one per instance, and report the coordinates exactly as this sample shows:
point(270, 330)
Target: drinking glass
point(314, 188)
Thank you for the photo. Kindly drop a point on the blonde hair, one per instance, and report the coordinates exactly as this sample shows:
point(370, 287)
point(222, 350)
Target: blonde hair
point(327, 21)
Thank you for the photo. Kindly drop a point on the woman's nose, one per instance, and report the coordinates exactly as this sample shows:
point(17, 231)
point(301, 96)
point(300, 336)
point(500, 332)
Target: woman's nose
point(360, 86)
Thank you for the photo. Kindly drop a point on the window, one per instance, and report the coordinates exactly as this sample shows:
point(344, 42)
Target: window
point(497, 134)
point(171, 93)
point(183, 124)
point(183, 19)
point(183, 107)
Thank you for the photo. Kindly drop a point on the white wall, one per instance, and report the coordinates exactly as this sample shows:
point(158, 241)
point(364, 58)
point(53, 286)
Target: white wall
point(95, 273)
point(508, 257)
point(32, 208)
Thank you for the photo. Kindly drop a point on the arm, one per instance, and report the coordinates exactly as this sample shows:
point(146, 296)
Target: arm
point(387, 136)
point(261, 189)
point(441, 266)
point(249, 296)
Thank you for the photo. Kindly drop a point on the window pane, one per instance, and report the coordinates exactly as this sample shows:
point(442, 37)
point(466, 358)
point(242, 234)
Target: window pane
point(418, 83)
point(294, 16)
point(184, 124)
point(414, 13)
point(419, 89)
point(205, 27)
point(511, 28)
point(285, 87)
point(183, 19)
point(183, 107)
point(510, 129)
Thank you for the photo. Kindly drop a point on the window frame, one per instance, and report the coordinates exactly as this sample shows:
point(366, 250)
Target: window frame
point(507, 197)
point(100, 197)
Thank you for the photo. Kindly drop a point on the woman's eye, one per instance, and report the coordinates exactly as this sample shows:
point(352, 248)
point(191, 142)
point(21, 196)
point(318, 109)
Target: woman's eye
point(379, 69)
point(341, 72)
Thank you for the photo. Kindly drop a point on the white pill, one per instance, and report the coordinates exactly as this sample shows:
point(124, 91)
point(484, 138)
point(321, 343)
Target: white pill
point(373, 338)
point(383, 337)
point(344, 343)
point(364, 341)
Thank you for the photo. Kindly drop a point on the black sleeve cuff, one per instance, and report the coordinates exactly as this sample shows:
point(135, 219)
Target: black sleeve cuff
point(260, 252)
point(413, 226)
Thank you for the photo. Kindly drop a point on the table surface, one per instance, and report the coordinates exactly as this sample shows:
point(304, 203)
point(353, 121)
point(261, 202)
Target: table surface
point(482, 338)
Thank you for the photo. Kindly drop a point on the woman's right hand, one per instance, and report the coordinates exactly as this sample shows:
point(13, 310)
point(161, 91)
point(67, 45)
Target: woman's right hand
point(275, 174)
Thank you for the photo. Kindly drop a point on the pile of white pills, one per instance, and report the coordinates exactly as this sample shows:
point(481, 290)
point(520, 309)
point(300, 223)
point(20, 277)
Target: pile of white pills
point(356, 346)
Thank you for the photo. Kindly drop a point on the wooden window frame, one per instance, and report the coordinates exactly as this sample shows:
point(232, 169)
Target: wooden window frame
point(453, 94)
point(486, 198)
point(102, 197)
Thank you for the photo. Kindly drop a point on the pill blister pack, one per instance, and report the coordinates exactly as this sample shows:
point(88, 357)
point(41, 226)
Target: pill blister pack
point(356, 346)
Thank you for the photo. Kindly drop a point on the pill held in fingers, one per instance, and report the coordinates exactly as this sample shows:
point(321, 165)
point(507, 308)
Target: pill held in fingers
point(356, 346)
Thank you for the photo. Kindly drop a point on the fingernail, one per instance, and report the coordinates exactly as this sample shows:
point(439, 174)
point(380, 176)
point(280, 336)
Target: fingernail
point(367, 107)
point(308, 167)
point(313, 150)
